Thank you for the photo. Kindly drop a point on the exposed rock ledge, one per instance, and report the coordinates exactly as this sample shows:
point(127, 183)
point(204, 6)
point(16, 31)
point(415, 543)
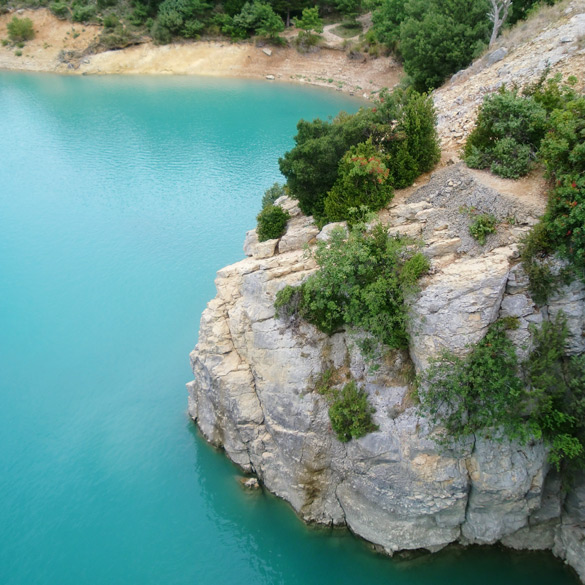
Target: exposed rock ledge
point(254, 380)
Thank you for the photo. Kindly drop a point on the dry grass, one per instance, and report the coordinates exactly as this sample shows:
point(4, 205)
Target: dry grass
point(526, 30)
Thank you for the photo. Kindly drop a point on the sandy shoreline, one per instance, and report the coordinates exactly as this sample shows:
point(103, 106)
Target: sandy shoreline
point(326, 68)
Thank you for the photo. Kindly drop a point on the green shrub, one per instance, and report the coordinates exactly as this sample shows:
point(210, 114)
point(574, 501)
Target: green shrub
point(110, 21)
point(311, 166)
point(310, 21)
point(179, 17)
point(563, 154)
point(271, 222)
point(488, 392)
point(59, 9)
point(507, 134)
point(362, 282)
point(20, 29)
point(362, 181)
point(272, 194)
point(477, 392)
point(83, 13)
point(254, 18)
point(18, 53)
point(557, 393)
point(350, 413)
point(482, 226)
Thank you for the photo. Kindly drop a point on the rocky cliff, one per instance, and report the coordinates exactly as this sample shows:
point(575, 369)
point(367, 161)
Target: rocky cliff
point(255, 375)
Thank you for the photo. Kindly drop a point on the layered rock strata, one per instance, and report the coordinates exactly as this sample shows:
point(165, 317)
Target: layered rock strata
point(255, 376)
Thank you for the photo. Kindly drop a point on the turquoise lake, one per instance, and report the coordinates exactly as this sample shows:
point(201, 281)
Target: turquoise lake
point(119, 200)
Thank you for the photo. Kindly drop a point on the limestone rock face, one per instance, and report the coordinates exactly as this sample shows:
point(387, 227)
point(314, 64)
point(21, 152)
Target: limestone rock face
point(255, 377)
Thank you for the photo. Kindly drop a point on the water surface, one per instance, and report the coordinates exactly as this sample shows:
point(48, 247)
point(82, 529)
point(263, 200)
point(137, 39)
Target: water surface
point(119, 199)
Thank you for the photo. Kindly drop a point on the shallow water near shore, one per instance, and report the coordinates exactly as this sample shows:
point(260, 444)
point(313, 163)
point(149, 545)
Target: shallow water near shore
point(119, 200)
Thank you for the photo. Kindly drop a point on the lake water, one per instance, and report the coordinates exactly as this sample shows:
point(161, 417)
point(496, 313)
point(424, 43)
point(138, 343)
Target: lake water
point(119, 199)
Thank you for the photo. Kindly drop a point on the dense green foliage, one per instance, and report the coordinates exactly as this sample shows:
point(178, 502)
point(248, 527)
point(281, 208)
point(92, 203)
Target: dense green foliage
point(557, 393)
point(507, 134)
point(386, 20)
point(20, 29)
point(477, 392)
point(271, 222)
point(435, 38)
point(401, 128)
point(440, 37)
point(563, 155)
point(483, 225)
point(350, 412)
point(254, 18)
point(310, 22)
point(362, 181)
point(362, 281)
point(488, 392)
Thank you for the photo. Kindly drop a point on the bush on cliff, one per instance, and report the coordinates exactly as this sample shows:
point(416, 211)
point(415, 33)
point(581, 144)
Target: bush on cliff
point(488, 392)
point(362, 282)
point(271, 222)
point(350, 412)
point(362, 181)
point(507, 134)
point(547, 124)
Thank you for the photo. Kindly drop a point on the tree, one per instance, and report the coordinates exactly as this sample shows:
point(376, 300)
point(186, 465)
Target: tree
point(498, 15)
point(440, 37)
point(350, 8)
point(270, 25)
point(310, 21)
point(363, 180)
point(386, 21)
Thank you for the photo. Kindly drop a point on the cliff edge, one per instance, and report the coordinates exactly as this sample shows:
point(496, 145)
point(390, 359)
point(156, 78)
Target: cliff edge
point(255, 377)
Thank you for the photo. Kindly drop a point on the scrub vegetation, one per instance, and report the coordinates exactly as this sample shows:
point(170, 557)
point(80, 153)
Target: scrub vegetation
point(350, 412)
point(362, 282)
point(490, 393)
point(271, 222)
point(544, 124)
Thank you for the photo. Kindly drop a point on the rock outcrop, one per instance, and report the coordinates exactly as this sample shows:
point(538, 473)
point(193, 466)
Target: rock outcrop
point(255, 376)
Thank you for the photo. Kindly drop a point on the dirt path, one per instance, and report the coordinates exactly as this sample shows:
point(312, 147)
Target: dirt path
point(327, 67)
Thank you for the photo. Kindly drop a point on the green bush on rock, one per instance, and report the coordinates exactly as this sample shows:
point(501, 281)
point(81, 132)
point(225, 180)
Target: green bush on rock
point(271, 222)
point(507, 134)
point(362, 282)
point(350, 412)
point(401, 128)
point(488, 392)
point(362, 181)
